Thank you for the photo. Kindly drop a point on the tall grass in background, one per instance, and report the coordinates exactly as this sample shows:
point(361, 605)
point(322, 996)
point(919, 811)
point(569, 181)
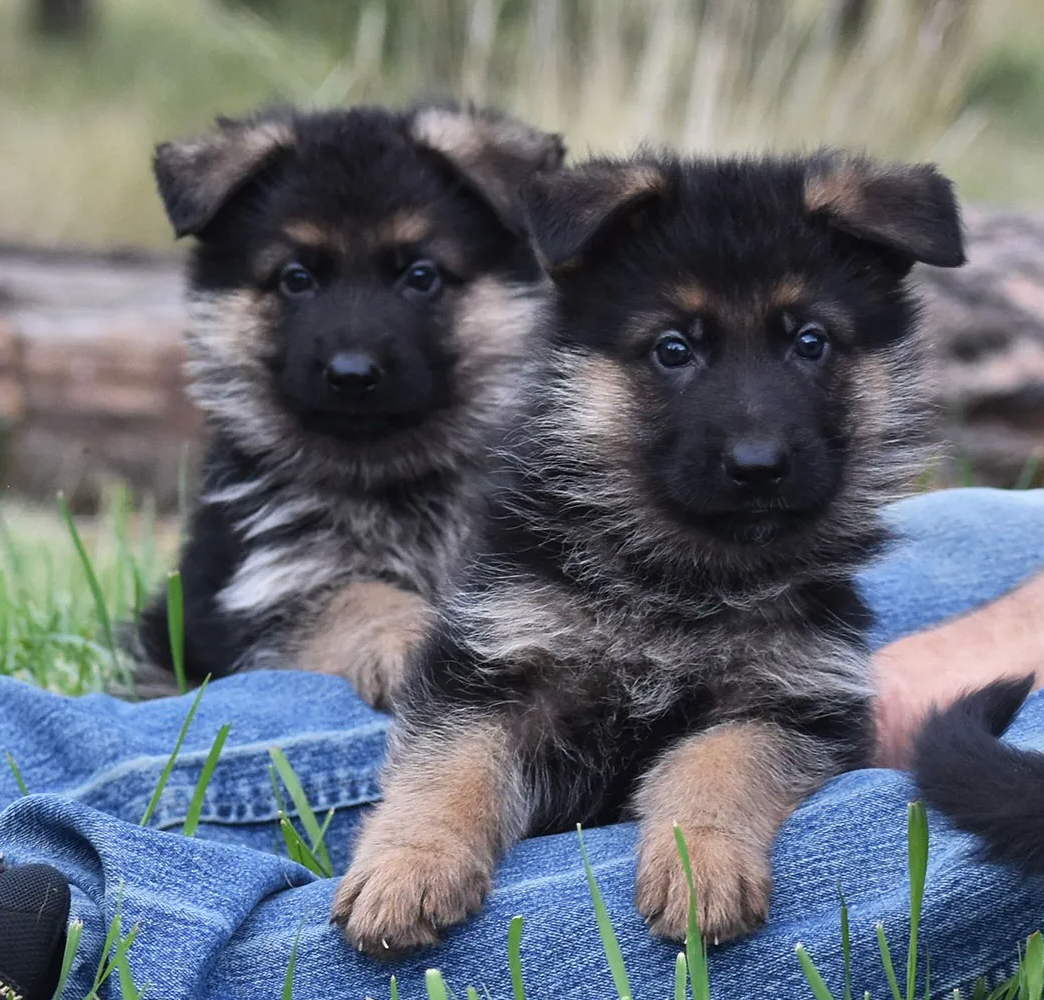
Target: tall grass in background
point(958, 81)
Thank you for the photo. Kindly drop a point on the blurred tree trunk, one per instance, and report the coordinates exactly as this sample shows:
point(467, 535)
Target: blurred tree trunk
point(64, 18)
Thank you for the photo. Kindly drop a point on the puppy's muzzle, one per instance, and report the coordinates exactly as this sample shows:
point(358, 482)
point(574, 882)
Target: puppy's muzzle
point(352, 373)
point(756, 463)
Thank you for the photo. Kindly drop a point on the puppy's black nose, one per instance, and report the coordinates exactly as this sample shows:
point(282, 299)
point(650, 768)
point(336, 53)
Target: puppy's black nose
point(756, 462)
point(352, 372)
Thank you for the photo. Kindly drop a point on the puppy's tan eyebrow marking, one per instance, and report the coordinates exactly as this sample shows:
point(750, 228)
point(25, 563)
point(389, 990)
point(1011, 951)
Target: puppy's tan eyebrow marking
point(449, 253)
point(692, 298)
point(403, 227)
point(312, 235)
point(270, 259)
point(790, 291)
point(836, 317)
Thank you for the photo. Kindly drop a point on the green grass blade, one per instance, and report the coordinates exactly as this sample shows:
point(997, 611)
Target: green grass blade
point(92, 579)
point(515, 958)
point(128, 989)
point(394, 986)
point(471, 993)
point(1006, 989)
point(72, 946)
point(291, 966)
point(610, 945)
point(886, 961)
point(323, 829)
point(196, 805)
point(917, 848)
point(1033, 966)
point(13, 559)
point(276, 791)
point(17, 774)
point(296, 847)
point(117, 504)
point(111, 938)
point(119, 960)
point(169, 766)
point(176, 627)
point(965, 468)
point(695, 946)
point(846, 943)
point(435, 985)
point(141, 594)
point(291, 839)
point(1028, 473)
point(681, 972)
point(814, 979)
point(304, 810)
point(326, 823)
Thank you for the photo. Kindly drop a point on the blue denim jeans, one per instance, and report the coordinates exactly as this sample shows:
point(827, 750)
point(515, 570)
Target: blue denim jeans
point(219, 913)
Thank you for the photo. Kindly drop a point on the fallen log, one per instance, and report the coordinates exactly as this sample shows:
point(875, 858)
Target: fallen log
point(986, 323)
point(92, 384)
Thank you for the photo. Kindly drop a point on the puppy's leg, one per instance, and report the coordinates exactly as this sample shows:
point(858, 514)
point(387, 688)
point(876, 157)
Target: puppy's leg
point(365, 634)
point(453, 802)
point(729, 789)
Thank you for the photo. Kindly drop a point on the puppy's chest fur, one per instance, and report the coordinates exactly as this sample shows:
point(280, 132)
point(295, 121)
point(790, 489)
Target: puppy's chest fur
point(643, 650)
point(598, 682)
point(295, 544)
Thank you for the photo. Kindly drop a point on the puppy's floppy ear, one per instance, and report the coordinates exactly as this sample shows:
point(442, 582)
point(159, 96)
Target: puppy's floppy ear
point(568, 211)
point(909, 209)
point(196, 179)
point(494, 154)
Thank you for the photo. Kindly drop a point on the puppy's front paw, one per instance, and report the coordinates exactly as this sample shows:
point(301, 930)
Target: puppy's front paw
point(397, 898)
point(366, 634)
point(732, 878)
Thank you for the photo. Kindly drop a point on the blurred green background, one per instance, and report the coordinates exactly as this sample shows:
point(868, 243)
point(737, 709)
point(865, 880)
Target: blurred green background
point(87, 86)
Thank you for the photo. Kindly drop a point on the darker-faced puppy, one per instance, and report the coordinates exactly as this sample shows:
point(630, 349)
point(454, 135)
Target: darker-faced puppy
point(360, 294)
point(662, 618)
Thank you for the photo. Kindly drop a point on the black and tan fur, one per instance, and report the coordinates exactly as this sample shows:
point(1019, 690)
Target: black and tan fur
point(662, 618)
point(360, 294)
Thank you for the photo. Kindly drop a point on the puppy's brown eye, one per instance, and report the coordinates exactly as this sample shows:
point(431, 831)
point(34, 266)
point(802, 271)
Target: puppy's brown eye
point(422, 278)
point(811, 342)
point(296, 281)
point(672, 350)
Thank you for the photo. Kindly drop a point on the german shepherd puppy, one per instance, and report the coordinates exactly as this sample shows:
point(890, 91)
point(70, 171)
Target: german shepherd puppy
point(983, 785)
point(661, 617)
point(360, 295)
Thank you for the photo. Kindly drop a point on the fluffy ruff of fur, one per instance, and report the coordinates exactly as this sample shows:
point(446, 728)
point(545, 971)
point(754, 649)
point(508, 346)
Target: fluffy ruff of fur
point(661, 620)
point(361, 296)
point(981, 784)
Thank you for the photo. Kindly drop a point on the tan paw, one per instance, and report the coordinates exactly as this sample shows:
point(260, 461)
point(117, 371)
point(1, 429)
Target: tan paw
point(366, 635)
point(732, 878)
point(404, 896)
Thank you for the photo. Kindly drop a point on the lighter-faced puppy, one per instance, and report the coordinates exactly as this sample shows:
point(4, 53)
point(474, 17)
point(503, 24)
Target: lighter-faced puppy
point(360, 293)
point(662, 619)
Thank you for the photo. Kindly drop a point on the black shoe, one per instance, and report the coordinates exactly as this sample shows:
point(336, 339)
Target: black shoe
point(34, 912)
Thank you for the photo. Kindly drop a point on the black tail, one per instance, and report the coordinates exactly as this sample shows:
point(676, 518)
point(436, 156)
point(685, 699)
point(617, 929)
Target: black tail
point(983, 785)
